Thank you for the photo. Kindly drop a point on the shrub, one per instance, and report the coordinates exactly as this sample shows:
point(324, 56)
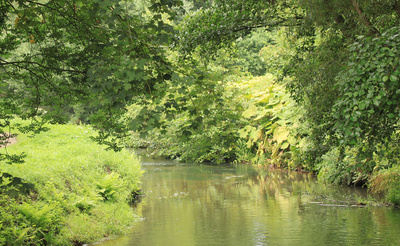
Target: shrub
point(345, 165)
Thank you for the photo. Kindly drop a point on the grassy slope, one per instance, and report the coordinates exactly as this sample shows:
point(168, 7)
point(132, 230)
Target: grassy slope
point(82, 191)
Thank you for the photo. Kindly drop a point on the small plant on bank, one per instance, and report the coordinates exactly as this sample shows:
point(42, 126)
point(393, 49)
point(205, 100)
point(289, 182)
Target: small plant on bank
point(387, 182)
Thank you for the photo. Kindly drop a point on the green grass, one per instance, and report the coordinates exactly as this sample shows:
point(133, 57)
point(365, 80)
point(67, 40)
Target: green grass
point(81, 194)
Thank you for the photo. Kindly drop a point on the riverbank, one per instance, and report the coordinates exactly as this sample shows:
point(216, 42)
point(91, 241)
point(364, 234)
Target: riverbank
point(73, 191)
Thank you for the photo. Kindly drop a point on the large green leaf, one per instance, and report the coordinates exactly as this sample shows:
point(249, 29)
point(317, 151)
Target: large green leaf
point(250, 111)
point(280, 134)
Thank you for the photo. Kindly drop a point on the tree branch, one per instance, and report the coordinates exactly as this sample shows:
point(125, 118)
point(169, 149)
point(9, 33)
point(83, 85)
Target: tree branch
point(5, 63)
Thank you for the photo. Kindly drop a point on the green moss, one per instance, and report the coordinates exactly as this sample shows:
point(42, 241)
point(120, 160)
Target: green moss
point(73, 200)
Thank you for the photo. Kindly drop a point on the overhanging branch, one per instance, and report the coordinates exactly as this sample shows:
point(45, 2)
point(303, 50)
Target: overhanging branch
point(6, 63)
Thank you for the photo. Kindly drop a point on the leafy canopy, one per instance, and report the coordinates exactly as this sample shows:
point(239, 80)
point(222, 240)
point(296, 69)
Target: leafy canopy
point(226, 20)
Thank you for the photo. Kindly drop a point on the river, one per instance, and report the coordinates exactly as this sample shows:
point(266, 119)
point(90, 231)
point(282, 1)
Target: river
point(199, 204)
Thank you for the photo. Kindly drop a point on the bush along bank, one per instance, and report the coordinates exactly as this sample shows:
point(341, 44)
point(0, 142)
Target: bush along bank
point(69, 190)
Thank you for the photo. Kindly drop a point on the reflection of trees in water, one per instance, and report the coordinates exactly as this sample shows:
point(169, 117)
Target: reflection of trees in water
point(276, 183)
point(221, 184)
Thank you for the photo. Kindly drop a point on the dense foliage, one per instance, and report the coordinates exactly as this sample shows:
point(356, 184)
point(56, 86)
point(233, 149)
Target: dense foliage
point(369, 90)
point(177, 77)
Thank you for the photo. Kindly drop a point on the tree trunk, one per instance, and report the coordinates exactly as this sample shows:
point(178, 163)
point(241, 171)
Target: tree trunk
point(364, 19)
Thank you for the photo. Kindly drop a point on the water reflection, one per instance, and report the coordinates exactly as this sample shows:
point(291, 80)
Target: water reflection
point(225, 205)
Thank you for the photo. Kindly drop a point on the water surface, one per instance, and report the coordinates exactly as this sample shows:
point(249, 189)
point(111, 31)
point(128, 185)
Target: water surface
point(190, 204)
